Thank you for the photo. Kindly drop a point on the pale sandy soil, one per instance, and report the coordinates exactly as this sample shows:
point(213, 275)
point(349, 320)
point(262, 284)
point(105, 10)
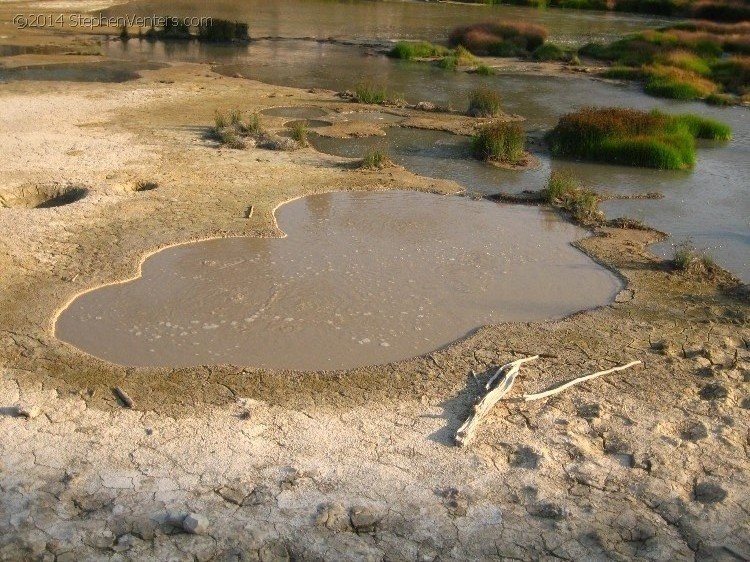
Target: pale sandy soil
point(648, 464)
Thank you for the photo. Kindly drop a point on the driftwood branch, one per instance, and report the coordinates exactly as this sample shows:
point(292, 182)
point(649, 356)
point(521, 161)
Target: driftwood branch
point(508, 372)
point(560, 388)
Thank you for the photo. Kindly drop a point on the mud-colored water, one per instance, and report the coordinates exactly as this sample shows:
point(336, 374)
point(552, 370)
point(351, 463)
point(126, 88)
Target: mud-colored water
point(382, 21)
point(295, 112)
point(107, 71)
point(709, 206)
point(361, 278)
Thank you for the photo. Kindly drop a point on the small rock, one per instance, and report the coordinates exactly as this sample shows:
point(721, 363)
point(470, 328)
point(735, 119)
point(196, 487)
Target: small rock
point(195, 524)
point(28, 411)
point(745, 404)
point(231, 495)
point(703, 362)
point(364, 519)
point(713, 392)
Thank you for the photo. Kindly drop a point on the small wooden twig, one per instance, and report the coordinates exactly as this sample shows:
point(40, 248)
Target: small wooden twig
point(510, 371)
point(122, 395)
point(555, 390)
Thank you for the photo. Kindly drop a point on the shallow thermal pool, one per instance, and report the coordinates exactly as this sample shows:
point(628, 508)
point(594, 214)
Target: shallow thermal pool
point(361, 278)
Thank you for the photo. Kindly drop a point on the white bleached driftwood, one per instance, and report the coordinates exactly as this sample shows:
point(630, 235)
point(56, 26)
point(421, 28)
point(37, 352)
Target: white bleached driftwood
point(555, 390)
point(508, 372)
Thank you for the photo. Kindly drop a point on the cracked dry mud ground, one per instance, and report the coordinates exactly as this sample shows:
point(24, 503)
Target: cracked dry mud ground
point(648, 464)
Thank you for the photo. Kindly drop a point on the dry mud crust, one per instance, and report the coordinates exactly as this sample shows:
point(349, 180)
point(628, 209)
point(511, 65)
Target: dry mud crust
point(647, 464)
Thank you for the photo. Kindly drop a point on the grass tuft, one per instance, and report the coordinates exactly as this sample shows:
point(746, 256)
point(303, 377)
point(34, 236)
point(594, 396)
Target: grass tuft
point(368, 93)
point(688, 259)
point(565, 191)
point(484, 70)
point(410, 50)
point(375, 160)
point(484, 102)
point(501, 142)
point(299, 133)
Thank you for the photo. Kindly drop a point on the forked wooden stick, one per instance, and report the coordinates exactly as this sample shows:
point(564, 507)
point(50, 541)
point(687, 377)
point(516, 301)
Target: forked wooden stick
point(509, 372)
point(555, 390)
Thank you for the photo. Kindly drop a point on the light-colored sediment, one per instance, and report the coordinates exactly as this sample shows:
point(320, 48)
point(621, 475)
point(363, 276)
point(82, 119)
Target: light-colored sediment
point(650, 463)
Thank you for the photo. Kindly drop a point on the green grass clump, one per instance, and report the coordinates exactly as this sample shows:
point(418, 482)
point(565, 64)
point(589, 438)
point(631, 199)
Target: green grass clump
point(721, 100)
point(565, 190)
point(368, 93)
point(676, 83)
point(561, 184)
point(632, 137)
point(484, 102)
point(703, 127)
point(688, 259)
point(299, 133)
point(499, 38)
point(693, 60)
point(231, 130)
point(548, 52)
point(484, 70)
point(375, 160)
point(501, 142)
point(448, 63)
point(410, 50)
point(623, 73)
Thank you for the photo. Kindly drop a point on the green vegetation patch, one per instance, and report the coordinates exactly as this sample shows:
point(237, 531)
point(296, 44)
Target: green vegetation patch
point(693, 60)
point(632, 137)
point(410, 50)
point(484, 102)
point(501, 142)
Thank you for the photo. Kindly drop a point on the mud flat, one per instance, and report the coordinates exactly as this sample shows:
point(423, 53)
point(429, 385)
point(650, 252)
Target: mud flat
point(647, 464)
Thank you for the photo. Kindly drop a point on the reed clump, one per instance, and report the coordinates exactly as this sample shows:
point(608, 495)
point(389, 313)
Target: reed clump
point(484, 102)
point(501, 142)
point(693, 60)
point(299, 133)
point(410, 50)
point(499, 38)
point(376, 160)
point(370, 93)
point(633, 137)
point(566, 191)
point(690, 260)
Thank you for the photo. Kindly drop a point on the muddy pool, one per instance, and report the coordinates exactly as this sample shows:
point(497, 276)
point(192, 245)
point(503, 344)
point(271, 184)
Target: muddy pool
point(361, 278)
